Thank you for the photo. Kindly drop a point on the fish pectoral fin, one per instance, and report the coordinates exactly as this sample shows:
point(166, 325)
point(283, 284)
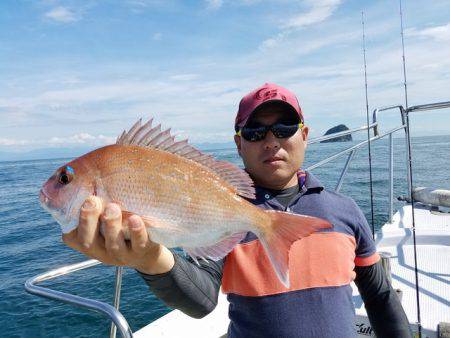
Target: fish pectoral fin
point(151, 222)
point(216, 251)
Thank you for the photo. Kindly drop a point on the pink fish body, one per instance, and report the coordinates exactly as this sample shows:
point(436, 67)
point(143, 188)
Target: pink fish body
point(186, 198)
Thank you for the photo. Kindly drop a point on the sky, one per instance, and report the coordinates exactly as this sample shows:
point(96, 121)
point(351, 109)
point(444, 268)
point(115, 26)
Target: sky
point(79, 72)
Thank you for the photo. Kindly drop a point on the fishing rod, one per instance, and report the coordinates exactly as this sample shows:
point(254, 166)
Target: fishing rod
point(403, 56)
point(368, 128)
point(410, 176)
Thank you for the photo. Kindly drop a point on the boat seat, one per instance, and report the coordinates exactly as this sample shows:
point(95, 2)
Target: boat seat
point(444, 330)
point(431, 196)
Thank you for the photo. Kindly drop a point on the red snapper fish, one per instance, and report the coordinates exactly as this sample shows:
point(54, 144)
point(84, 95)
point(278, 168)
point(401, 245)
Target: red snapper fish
point(199, 202)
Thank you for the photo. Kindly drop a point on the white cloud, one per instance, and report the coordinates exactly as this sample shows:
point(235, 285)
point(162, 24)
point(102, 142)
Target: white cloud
point(184, 77)
point(320, 10)
point(145, 3)
point(76, 139)
point(273, 42)
point(62, 14)
point(157, 36)
point(13, 142)
point(199, 95)
point(438, 33)
point(81, 138)
point(214, 4)
point(249, 2)
point(299, 46)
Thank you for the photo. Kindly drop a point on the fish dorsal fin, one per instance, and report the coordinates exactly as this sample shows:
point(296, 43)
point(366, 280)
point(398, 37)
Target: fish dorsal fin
point(145, 135)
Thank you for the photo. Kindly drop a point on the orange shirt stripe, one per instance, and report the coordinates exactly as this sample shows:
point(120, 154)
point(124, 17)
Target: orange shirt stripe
point(366, 261)
point(320, 260)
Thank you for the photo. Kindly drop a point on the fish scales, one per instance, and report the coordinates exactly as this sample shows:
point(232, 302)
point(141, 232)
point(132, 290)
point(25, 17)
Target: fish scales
point(201, 201)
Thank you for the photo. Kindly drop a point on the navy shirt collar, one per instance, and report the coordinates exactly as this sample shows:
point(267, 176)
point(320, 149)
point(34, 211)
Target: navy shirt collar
point(311, 183)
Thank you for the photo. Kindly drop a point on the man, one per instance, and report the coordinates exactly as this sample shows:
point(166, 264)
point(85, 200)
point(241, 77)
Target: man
point(271, 138)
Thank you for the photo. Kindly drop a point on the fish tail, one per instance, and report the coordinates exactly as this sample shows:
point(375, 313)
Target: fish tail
point(283, 231)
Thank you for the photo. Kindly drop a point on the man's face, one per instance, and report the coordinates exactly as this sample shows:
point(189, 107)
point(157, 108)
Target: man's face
point(273, 162)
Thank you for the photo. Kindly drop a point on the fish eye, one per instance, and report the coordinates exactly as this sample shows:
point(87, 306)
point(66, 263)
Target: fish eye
point(66, 175)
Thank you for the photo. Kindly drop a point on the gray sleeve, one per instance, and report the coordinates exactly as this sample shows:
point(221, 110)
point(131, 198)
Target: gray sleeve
point(385, 312)
point(188, 287)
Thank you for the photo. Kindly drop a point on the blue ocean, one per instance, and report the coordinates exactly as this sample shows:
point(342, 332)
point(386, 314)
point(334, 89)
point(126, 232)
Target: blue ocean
point(30, 239)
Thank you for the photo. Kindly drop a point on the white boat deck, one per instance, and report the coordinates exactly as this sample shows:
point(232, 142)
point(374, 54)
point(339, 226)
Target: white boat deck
point(433, 260)
point(176, 324)
point(433, 251)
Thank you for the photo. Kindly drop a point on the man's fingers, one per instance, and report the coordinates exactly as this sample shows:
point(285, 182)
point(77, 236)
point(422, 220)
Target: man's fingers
point(114, 239)
point(138, 234)
point(71, 238)
point(88, 225)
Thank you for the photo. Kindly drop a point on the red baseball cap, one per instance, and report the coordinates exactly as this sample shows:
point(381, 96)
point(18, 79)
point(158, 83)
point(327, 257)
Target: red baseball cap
point(269, 92)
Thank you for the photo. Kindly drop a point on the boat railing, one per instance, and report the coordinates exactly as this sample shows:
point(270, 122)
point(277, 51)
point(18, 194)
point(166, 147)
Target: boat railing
point(119, 322)
point(377, 134)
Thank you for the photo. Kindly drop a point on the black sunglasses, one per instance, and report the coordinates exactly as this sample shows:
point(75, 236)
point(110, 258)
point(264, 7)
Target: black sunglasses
point(279, 130)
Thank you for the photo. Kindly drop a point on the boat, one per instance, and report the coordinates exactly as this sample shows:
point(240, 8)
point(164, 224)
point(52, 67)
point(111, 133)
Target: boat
point(414, 245)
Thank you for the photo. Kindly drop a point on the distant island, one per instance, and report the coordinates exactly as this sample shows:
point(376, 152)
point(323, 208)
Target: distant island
point(339, 128)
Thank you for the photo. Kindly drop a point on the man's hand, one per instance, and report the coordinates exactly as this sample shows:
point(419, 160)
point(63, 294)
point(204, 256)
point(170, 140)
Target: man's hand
point(139, 253)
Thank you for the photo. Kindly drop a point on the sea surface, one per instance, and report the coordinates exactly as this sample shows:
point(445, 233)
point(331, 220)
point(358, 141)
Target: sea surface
point(30, 240)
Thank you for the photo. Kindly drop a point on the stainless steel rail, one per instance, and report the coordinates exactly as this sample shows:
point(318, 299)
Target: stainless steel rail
point(118, 289)
point(342, 133)
point(429, 106)
point(377, 135)
point(356, 146)
point(32, 287)
point(391, 177)
point(344, 171)
point(378, 110)
point(113, 313)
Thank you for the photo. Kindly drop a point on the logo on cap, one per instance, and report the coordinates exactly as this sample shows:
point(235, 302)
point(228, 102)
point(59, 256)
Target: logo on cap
point(265, 94)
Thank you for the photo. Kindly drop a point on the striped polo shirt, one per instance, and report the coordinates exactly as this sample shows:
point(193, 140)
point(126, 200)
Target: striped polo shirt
point(321, 267)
